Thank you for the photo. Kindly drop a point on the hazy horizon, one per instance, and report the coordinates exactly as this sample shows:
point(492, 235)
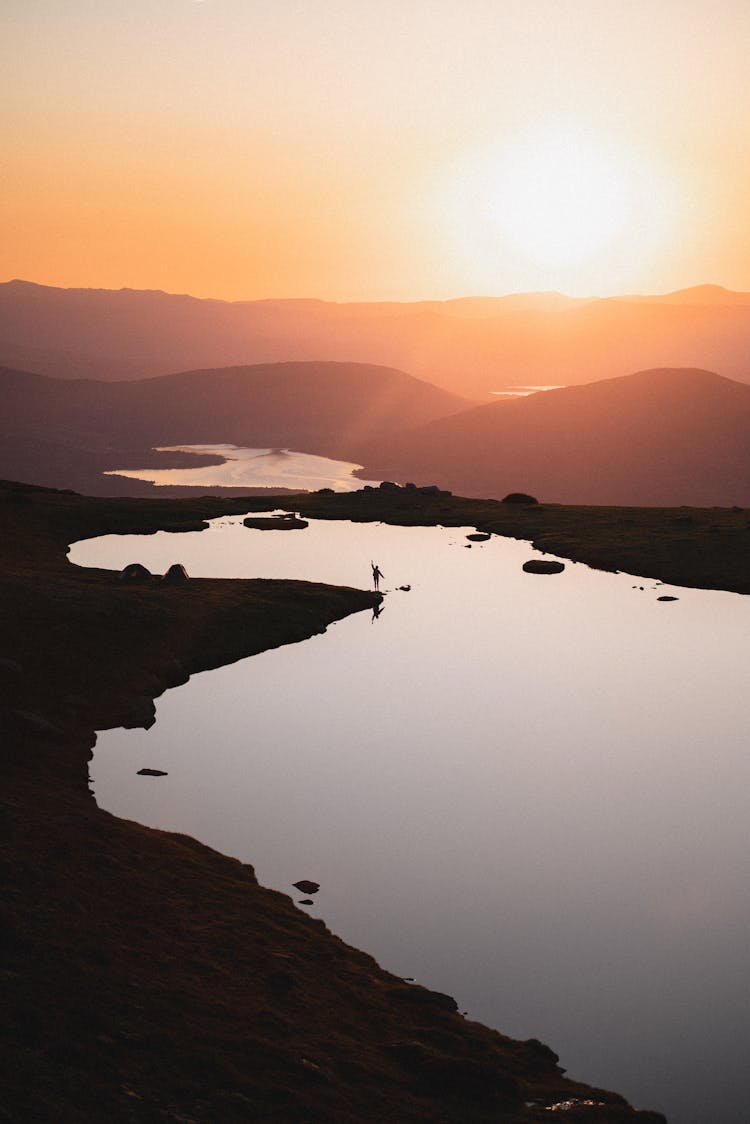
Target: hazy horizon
point(398, 153)
point(456, 297)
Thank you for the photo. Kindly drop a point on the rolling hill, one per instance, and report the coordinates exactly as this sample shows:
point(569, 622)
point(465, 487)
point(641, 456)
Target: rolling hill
point(469, 346)
point(656, 438)
point(64, 433)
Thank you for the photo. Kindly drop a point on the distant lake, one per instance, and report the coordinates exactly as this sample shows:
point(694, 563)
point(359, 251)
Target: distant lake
point(531, 792)
point(253, 468)
point(524, 391)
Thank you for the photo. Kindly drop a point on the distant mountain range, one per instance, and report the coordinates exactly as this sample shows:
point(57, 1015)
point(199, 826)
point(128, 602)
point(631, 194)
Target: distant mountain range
point(470, 347)
point(656, 438)
point(63, 433)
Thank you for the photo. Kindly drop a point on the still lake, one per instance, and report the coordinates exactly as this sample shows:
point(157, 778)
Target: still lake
point(243, 467)
point(531, 792)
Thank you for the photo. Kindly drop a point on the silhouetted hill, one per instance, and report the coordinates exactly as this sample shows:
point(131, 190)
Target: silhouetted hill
point(65, 433)
point(470, 346)
point(659, 437)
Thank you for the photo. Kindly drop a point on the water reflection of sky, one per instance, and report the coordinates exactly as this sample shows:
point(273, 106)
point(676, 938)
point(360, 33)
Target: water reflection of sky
point(253, 468)
point(528, 791)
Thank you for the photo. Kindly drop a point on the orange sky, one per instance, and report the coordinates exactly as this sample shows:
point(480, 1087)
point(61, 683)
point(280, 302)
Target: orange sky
point(390, 150)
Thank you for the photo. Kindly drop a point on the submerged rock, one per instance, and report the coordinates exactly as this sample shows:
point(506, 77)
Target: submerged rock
point(543, 566)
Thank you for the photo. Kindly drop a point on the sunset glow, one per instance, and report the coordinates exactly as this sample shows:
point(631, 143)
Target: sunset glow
point(352, 152)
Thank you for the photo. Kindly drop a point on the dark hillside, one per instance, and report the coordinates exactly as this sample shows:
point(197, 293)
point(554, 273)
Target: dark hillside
point(65, 433)
point(662, 437)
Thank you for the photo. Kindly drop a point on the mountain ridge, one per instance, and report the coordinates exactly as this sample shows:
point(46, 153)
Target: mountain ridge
point(468, 345)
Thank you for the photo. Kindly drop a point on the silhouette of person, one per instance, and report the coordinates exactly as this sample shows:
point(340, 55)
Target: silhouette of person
point(377, 574)
point(376, 611)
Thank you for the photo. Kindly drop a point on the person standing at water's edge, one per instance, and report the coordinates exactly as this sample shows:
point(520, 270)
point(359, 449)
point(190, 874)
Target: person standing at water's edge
point(376, 574)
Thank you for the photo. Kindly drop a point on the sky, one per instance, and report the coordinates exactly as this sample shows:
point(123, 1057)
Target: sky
point(398, 150)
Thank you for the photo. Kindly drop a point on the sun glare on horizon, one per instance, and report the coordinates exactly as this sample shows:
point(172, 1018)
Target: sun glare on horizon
point(577, 210)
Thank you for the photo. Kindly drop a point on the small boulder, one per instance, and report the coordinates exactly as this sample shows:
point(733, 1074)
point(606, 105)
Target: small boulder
point(666, 597)
point(152, 773)
point(543, 566)
point(519, 497)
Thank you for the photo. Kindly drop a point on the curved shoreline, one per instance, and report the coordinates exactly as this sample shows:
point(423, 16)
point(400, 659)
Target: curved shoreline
point(148, 977)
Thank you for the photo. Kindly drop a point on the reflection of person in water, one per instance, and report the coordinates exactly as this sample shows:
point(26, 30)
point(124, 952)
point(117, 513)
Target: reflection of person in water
point(376, 574)
point(376, 611)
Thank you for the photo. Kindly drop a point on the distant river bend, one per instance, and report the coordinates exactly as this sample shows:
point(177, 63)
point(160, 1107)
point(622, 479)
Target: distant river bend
point(253, 468)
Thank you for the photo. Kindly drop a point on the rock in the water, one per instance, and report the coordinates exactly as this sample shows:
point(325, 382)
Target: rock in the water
point(176, 575)
point(405, 588)
point(543, 566)
point(479, 536)
point(287, 522)
point(152, 773)
point(305, 886)
point(306, 901)
point(519, 497)
point(135, 572)
point(667, 598)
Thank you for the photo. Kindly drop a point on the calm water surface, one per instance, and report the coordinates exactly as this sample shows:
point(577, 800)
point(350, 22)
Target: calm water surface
point(530, 792)
point(253, 468)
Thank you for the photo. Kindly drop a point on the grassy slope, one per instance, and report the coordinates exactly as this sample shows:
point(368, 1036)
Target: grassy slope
point(146, 977)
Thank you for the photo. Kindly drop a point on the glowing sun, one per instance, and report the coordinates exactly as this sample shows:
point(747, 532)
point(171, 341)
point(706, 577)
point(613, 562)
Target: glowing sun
point(562, 197)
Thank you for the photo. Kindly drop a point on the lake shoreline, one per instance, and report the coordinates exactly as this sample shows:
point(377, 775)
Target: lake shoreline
point(147, 974)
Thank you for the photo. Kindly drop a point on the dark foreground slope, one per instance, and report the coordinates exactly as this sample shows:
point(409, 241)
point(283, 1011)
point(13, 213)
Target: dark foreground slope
point(146, 977)
point(661, 437)
point(65, 433)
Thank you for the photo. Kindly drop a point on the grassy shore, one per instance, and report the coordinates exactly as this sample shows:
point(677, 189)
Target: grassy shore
point(145, 976)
